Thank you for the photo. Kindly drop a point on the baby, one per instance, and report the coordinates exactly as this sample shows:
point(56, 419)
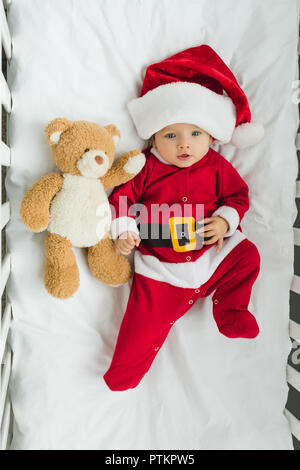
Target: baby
point(169, 142)
point(190, 199)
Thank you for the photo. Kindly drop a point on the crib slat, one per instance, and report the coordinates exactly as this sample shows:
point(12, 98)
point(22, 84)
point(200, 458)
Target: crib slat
point(293, 377)
point(4, 154)
point(296, 236)
point(5, 271)
point(295, 287)
point(5, 214)
point(5, 380)
point(5, 425)
point(5, 323)
point(294, 424)
point(298, 46)
point(5, 94)
point(5, 35)
point(297, 142)
point(297, 188)
point(295, 330)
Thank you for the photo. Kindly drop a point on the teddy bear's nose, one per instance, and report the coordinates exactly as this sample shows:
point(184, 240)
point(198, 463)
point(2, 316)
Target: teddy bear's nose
point(99, 159)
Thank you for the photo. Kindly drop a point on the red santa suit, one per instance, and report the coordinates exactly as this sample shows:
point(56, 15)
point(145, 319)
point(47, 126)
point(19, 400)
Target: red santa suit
point(166, 282)
point(165, 204)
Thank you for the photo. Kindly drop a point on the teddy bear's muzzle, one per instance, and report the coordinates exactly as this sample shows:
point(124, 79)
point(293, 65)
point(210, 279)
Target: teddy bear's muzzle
point(99, 159)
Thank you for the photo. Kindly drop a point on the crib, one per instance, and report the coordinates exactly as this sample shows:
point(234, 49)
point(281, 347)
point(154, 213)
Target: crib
point(10, 402)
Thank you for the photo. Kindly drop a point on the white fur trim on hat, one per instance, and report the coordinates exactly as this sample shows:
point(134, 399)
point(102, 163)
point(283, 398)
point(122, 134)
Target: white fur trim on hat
point(247, 134)
point(183, 102)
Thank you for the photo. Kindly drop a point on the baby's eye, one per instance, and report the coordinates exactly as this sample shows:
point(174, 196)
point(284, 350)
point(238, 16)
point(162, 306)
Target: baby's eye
point(196, 133)
point(87, 150)
point(171, 134)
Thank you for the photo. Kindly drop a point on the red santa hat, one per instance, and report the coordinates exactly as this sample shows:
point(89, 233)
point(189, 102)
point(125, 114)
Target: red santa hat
point(189, 87)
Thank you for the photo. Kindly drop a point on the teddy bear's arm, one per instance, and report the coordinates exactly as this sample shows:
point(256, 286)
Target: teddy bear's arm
point(124, 169)
point(36, 203)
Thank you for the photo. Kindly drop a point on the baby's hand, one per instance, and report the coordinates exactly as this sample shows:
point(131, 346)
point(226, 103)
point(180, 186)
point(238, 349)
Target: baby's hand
point(127, 241)
point(215, 227)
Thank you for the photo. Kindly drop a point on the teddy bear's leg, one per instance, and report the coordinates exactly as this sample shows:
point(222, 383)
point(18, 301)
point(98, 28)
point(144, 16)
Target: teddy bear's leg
point(107, 265)
point(61, 275)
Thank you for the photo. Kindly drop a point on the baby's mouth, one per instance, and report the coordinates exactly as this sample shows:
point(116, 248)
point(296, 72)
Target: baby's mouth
point(184, 156)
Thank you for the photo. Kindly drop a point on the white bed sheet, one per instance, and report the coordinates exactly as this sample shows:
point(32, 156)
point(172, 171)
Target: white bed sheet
point(84, 60)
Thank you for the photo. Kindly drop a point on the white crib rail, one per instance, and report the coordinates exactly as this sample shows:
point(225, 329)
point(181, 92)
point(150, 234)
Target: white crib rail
point(5, 352)
point(293, 376)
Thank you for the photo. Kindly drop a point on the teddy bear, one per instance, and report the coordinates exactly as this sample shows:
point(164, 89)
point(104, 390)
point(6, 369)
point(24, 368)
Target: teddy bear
point(73, 206)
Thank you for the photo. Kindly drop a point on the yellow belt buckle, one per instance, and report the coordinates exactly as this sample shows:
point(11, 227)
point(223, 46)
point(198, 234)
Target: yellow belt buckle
point(174, 222)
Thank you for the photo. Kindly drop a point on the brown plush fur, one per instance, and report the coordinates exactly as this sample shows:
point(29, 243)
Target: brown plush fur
point(77, 137)
point(61, 274)
point(98, 256)
point(116, 174)
point(35, 206)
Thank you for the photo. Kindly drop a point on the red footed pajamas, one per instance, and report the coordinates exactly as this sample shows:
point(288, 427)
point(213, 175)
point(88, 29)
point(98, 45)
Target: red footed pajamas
point(155, 305)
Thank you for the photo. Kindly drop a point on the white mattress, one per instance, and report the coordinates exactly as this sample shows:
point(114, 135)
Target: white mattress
point(84, 60)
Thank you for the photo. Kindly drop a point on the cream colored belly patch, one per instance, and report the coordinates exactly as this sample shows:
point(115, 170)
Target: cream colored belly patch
point(80, 212)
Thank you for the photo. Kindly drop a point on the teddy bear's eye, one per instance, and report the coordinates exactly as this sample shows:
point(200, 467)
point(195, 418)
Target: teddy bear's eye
point(87, 150)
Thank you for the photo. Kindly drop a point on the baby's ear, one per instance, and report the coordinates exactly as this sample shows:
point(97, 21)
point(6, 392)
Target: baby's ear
point(114, 132)
point(55, 128)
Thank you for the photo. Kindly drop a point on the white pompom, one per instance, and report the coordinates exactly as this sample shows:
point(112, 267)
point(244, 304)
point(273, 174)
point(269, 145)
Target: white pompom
point(247, 134)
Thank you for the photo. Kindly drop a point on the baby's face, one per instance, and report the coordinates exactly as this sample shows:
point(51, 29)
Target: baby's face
point(178, 139)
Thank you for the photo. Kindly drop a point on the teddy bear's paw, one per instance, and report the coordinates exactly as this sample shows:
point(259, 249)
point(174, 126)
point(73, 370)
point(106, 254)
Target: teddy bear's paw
point(115, 273)
point(61, 282)
point(61, 275)
point(122, 273)
point(36, 223)
point(107, 265)
point(135, 164)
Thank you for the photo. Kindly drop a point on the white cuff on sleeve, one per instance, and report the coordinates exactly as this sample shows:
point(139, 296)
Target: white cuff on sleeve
point(123, 224)
point(231, 215)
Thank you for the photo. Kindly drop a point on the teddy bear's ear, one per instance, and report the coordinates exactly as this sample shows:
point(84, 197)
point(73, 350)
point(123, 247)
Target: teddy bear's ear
point(114, 132)
point(55, 128)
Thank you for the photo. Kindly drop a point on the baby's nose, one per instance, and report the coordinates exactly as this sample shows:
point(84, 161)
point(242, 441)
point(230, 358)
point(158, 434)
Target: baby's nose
point(99, 159)
point(181, 146)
